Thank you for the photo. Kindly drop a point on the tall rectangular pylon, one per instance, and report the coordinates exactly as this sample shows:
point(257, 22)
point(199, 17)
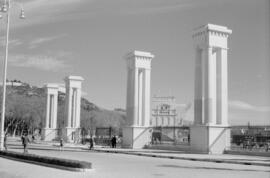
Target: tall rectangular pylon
point(137, 133)
point(72, 108)
point(210, 133)
point(49, 132)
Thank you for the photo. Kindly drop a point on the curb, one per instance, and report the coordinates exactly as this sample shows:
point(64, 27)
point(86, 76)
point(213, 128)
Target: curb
point(70, 165)
point(186, 158)
point(49, 165)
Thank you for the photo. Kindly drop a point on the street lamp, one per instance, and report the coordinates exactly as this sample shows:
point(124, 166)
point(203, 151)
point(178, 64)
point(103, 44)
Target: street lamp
point(6, 9)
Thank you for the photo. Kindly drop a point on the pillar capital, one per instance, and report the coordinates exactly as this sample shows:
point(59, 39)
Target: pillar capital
point(73, 81)
point(211, 35)
point(139, 59)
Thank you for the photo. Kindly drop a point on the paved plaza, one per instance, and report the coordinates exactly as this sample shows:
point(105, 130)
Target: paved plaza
point(127, 165)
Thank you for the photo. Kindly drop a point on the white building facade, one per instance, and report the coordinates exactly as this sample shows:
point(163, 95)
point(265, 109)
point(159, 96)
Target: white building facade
point(164, 111)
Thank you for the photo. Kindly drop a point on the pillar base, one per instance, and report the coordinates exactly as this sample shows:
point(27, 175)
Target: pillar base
point(136, 136)
point(71, 134)
point(49, 134)
point(210, 139)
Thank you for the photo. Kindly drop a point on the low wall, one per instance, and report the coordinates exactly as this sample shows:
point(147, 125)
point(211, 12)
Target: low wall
point(66, 164)
point(169, 147)
point(249, 153)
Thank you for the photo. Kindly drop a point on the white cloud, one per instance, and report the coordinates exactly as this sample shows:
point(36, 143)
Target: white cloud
point(241, 105)
point(38, 41)
point(41, 62)
point(11, 42)
point(45, 11)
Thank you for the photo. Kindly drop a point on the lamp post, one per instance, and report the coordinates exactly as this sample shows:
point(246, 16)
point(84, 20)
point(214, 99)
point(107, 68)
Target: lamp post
point(6, 9)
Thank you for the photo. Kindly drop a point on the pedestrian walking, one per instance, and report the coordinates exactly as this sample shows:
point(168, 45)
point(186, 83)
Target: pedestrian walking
point(25, 143)
point(5, 142)
point(91, 141)
point(61, 144)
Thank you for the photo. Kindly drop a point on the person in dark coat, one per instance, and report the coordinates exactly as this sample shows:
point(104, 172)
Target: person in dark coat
point(61, 144)
point(25, 143)
point(5, 142)
point(113, 142)
point(91, 143)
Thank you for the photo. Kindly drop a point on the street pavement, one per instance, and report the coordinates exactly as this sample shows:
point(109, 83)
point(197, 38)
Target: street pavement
point(225, 158)
point(108, 164)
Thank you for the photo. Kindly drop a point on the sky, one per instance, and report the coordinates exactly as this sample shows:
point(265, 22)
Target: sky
point(90, 38)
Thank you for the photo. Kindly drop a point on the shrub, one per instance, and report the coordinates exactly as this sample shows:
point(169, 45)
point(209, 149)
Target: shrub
point(48, 160)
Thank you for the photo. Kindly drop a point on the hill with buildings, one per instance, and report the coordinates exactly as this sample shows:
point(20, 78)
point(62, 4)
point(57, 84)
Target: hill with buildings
point(26, 105)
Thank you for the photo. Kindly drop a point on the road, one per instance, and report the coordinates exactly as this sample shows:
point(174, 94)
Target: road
point(113, 165)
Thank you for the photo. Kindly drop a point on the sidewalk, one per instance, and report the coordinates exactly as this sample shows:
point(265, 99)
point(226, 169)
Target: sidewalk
point(169, 154)
point(225, 158)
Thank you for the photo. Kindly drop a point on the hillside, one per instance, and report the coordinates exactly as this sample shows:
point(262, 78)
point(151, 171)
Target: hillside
point(26, 105)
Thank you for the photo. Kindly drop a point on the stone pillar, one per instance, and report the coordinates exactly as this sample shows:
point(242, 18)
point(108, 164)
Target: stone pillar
point(210, 134)
point(50, 131)
point(146, 98)
point(72, 108)
point(137, 134)
point(210, 87)
point(198, 91)
point(222, 87)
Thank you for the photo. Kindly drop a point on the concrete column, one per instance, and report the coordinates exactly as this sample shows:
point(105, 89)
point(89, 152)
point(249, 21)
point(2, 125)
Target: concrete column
point(55, 111)
point(198, 91)
point(69, 106)
point(78, 107)
point(135, 94)
point(147, 98)
point(210, 87)
point(51, 111)
point(129, 97)
point(74, 107)
point(47, 111)
point(223, 87)
point(140, 97)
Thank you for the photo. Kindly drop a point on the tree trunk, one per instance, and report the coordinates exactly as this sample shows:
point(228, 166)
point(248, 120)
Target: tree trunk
point(14, 131)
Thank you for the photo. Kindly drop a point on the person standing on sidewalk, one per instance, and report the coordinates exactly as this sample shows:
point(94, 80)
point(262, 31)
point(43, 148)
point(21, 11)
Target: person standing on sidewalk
point(5, 142)
point(61, 144)
point(91, 143)
point(25, 143)
point(113, 141)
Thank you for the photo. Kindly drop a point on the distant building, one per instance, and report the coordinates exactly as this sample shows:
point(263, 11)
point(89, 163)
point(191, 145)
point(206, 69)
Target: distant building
point(15, 83)
point(164, 111)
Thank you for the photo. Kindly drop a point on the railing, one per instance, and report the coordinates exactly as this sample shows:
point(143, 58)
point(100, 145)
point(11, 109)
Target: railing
point(252, 147)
